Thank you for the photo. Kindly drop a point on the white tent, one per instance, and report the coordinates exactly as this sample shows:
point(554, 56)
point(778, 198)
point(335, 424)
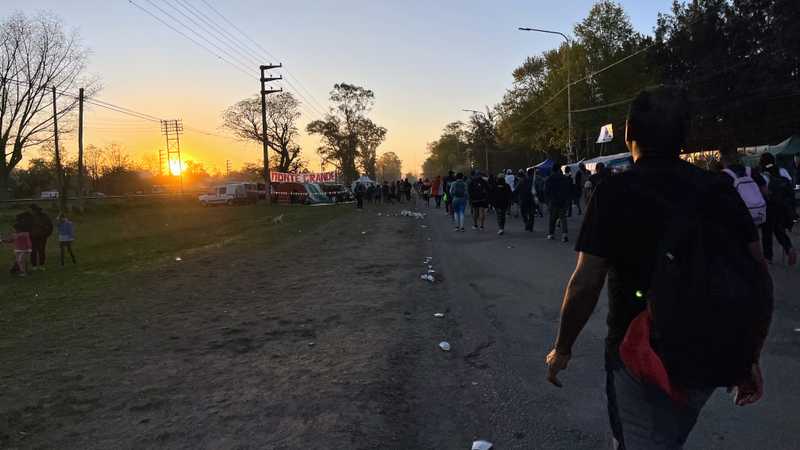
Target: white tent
point(365, 180)
point(618, 162)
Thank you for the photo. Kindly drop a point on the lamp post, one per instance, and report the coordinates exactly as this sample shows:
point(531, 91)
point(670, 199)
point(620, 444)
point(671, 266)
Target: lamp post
point(569, 81)
point(485, 147)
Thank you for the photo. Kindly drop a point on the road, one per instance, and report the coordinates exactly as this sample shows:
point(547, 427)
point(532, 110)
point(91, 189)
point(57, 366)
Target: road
point(503, 295)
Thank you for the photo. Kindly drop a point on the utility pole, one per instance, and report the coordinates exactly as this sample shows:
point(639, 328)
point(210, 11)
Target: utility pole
point(172, 130)
point(227, 168)
point(62, 198)
point(264, 92)
point(80, 149)
point(569, 81)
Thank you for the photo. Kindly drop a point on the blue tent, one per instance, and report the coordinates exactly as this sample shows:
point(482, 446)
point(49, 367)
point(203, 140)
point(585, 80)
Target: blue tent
point(544, 167)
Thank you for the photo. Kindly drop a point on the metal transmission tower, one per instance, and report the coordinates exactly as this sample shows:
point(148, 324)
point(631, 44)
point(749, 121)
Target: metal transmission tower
point(163, 166)
point(172, 130)
point(264, 92)
point(228, 168)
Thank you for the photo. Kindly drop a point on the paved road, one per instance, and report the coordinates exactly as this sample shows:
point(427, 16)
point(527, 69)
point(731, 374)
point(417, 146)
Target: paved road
point(503, 295)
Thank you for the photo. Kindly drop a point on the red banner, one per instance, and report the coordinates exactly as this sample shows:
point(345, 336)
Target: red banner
point(318, 177)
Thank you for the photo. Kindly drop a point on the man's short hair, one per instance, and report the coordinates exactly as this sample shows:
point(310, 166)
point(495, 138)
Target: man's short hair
point(657, 120)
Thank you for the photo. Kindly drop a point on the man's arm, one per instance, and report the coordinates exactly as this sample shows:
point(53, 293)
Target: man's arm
point(580, 299)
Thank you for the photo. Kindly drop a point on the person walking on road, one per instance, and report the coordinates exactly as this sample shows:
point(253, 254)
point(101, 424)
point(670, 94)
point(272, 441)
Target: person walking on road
point(448, 199)
point(359, 192)
point(500, 198)
point(479, 200)
point(580, 180)
point(458, 192)
point(437, 191)
point(668, 235)
point(41, 230)
point(780, 208)
point(527, 199)
point(599, 175)
point(559, 193)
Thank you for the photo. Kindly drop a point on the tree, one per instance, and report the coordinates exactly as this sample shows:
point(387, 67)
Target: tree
point(346, 133)
point(36, 54)
point(449, 152)
point(389, 167)
point(371, 136)
point(283, 111)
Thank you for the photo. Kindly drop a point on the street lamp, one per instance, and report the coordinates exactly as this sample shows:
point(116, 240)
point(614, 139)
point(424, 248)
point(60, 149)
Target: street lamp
point(569, 80)
point(485, 147)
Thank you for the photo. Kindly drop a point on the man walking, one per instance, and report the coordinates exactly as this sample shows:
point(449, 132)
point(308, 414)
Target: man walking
point(527, 199)
point(690, 298)
point(41, 229)
point(478, 200)
point(581, 176)
point(559, 193)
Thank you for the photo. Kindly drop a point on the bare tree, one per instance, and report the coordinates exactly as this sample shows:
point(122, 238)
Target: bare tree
point(283, 111)
point(36, 54)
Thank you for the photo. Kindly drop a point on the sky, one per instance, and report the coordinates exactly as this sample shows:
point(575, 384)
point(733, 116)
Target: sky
point(426, 61)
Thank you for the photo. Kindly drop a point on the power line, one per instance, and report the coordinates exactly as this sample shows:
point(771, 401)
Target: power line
point(187, 37)
point(235, 61)
point(267, 52)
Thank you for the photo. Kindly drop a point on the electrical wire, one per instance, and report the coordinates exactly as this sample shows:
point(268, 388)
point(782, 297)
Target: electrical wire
point(267, 52)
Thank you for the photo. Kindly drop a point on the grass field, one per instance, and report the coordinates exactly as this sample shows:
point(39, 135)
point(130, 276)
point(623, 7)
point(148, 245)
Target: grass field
point(121, 237)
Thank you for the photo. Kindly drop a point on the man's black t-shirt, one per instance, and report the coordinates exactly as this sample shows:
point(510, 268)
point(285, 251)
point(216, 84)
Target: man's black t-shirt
point(625, 227)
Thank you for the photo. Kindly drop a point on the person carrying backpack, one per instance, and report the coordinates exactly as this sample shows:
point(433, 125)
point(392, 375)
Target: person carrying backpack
point(41, 230)
point(478, 191)
point(500, 198)
point(559, 192)
point(780, 209)
point(458, 193)
point(690, 295)
point(748, 184)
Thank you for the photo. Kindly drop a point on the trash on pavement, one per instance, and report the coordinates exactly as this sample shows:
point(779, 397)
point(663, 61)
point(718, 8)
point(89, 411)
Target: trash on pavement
point(438, 315)
point(178, 258)
point(363, 232)
point(427, 277)
point(445, 346)
point(481, 445)
point(416, 215)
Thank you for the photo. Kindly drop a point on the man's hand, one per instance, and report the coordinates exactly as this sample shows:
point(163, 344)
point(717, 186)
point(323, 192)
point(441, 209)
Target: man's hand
point(556, 362)
point(750, 390)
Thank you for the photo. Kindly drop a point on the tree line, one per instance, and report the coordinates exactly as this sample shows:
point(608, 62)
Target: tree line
point(738, 60)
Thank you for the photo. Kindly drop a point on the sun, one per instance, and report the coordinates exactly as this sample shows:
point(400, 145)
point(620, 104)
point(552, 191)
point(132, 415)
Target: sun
point(175, 167)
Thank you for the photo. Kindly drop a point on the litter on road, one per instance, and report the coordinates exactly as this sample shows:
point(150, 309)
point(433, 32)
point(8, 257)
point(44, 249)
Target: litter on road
point(445, 346)
point(481, 445)
point(427, 277)
point(178, 258)
point(438, 315)
point(416, 215)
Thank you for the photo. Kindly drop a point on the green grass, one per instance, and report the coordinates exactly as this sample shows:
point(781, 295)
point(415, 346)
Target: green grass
point(117, 238)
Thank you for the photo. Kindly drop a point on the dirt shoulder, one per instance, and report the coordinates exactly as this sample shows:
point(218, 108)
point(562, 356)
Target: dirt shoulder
point(313, 344)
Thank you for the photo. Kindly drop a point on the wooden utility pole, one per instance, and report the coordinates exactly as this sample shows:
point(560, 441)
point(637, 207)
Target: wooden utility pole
point(265, 136)
point(62, 191)
point(80, 149)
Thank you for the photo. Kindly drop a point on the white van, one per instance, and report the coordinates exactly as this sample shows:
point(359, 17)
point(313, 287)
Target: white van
point(227, 194)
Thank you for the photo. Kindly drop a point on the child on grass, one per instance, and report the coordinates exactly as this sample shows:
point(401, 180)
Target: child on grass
point(66, 235)
point(22, 249)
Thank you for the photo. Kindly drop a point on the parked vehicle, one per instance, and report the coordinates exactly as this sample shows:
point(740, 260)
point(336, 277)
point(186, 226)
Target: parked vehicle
point(49, 195)
point(228, 194)
point(337, 192)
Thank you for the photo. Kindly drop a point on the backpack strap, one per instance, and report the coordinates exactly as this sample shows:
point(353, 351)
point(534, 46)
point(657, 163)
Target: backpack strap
point(733, 174)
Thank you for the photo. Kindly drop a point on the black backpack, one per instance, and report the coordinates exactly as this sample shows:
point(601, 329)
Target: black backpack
point(781, 190)
point(705, 294)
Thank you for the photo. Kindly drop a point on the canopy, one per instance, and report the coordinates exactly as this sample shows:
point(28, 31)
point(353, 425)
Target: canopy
point(783, 152)
point(789, 147)
point(618, 162)
point(544, 167)
point(365, 180)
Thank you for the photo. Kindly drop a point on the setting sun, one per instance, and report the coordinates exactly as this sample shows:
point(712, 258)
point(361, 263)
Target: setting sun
point(175, 167)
